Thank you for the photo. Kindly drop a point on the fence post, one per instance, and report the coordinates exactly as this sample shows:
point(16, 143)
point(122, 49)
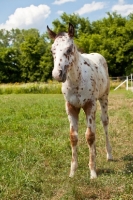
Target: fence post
point(127, 83)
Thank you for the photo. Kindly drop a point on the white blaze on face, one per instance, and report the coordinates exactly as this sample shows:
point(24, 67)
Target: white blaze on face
point(59, 50)
point(57, 67)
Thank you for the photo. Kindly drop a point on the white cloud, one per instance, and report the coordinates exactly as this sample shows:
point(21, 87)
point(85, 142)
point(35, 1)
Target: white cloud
point(87, 8)
point(121, 1)
point(58, 2)
point(28, 17)
point(59, 12)
point(122, 8)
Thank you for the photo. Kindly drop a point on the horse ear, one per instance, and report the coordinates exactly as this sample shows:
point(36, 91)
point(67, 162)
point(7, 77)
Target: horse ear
point(71, 30)
point(51, 34)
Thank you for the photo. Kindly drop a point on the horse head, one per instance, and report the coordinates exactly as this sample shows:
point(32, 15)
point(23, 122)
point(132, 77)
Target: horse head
point(63, 52)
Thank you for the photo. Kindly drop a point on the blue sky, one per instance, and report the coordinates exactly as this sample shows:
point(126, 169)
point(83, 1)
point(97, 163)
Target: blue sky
point(25, 14)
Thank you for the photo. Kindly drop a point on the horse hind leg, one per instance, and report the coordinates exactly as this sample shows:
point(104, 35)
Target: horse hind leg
point(105, 121)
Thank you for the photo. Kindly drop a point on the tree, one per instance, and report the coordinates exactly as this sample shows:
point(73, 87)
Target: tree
point(82, 25)
point(9, 65)
point(46, 64)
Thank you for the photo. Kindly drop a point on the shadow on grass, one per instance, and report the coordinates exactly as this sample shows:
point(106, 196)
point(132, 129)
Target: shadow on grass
point(128, 157)
point(105, 171)
point(128, 164)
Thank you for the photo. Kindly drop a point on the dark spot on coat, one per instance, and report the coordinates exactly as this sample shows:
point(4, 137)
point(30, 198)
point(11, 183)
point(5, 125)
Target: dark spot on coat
point(90, 136)
point(73, 137)
point(86, 63)
point(90, 121)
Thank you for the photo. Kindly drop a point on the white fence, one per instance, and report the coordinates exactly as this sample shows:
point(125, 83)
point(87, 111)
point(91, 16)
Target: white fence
point(127, 80)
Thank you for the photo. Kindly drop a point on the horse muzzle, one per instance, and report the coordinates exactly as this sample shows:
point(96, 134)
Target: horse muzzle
point(59, 76)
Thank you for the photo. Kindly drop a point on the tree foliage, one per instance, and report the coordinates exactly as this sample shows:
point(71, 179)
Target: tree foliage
point(25, 54)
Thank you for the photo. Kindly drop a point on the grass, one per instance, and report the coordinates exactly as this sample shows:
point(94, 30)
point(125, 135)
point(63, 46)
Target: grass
point(52, 87)
point(35, 150)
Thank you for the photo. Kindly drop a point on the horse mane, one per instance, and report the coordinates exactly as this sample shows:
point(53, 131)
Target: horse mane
point(80, 50)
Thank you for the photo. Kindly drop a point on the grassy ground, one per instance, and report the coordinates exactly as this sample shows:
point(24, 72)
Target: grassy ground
point(35, 150)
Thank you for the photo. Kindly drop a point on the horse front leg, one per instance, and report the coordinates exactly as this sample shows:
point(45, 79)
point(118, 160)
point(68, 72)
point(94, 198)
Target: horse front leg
point(90, 110)
point(73, 113)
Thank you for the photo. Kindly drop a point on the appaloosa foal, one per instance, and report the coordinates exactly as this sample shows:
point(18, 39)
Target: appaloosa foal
point(85, 80)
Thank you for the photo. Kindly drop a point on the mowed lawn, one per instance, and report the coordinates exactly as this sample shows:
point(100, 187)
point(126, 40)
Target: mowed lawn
point(35, 150)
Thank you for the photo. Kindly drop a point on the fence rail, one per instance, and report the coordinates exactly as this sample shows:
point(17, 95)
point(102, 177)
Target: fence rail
point(127, 80)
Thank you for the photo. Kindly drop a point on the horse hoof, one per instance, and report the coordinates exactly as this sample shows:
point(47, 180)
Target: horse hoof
point(93, 175)
point(109, 158)
point(71, 175)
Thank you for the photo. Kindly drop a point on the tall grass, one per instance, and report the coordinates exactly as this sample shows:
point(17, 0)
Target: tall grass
point(52, 87)
point(28, 88)
point(35, 150)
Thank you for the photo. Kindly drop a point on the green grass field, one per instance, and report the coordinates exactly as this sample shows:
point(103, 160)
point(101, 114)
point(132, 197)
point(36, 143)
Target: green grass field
point(35, 151)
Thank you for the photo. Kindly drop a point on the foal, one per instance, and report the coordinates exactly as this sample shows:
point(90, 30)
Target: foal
point(84, 80)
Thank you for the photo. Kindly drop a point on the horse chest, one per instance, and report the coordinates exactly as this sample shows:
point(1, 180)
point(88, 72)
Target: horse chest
point(77, 96)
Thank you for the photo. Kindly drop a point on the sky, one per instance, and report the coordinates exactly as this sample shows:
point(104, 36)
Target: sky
point(25, 14)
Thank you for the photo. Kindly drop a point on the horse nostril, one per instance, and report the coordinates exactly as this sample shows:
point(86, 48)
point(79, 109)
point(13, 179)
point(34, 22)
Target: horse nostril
point(60, 73)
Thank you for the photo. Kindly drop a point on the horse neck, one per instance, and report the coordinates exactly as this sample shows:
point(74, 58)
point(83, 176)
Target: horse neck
point(74, 73)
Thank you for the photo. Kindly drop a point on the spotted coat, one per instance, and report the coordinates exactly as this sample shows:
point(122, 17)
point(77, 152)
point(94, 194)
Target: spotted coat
point(84, 80)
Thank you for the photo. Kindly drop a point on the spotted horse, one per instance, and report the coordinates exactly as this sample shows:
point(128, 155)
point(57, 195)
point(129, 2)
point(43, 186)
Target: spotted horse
point(84, 80)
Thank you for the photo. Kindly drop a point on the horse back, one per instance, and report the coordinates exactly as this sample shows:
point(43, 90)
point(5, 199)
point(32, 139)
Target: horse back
point(100, 71)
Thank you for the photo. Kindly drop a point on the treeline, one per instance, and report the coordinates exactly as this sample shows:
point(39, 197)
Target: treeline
point(25, 54)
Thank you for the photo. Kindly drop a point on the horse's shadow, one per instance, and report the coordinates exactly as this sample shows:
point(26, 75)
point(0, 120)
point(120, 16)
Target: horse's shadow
point(105, 171)
point(128, 169)
point(128, 159)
